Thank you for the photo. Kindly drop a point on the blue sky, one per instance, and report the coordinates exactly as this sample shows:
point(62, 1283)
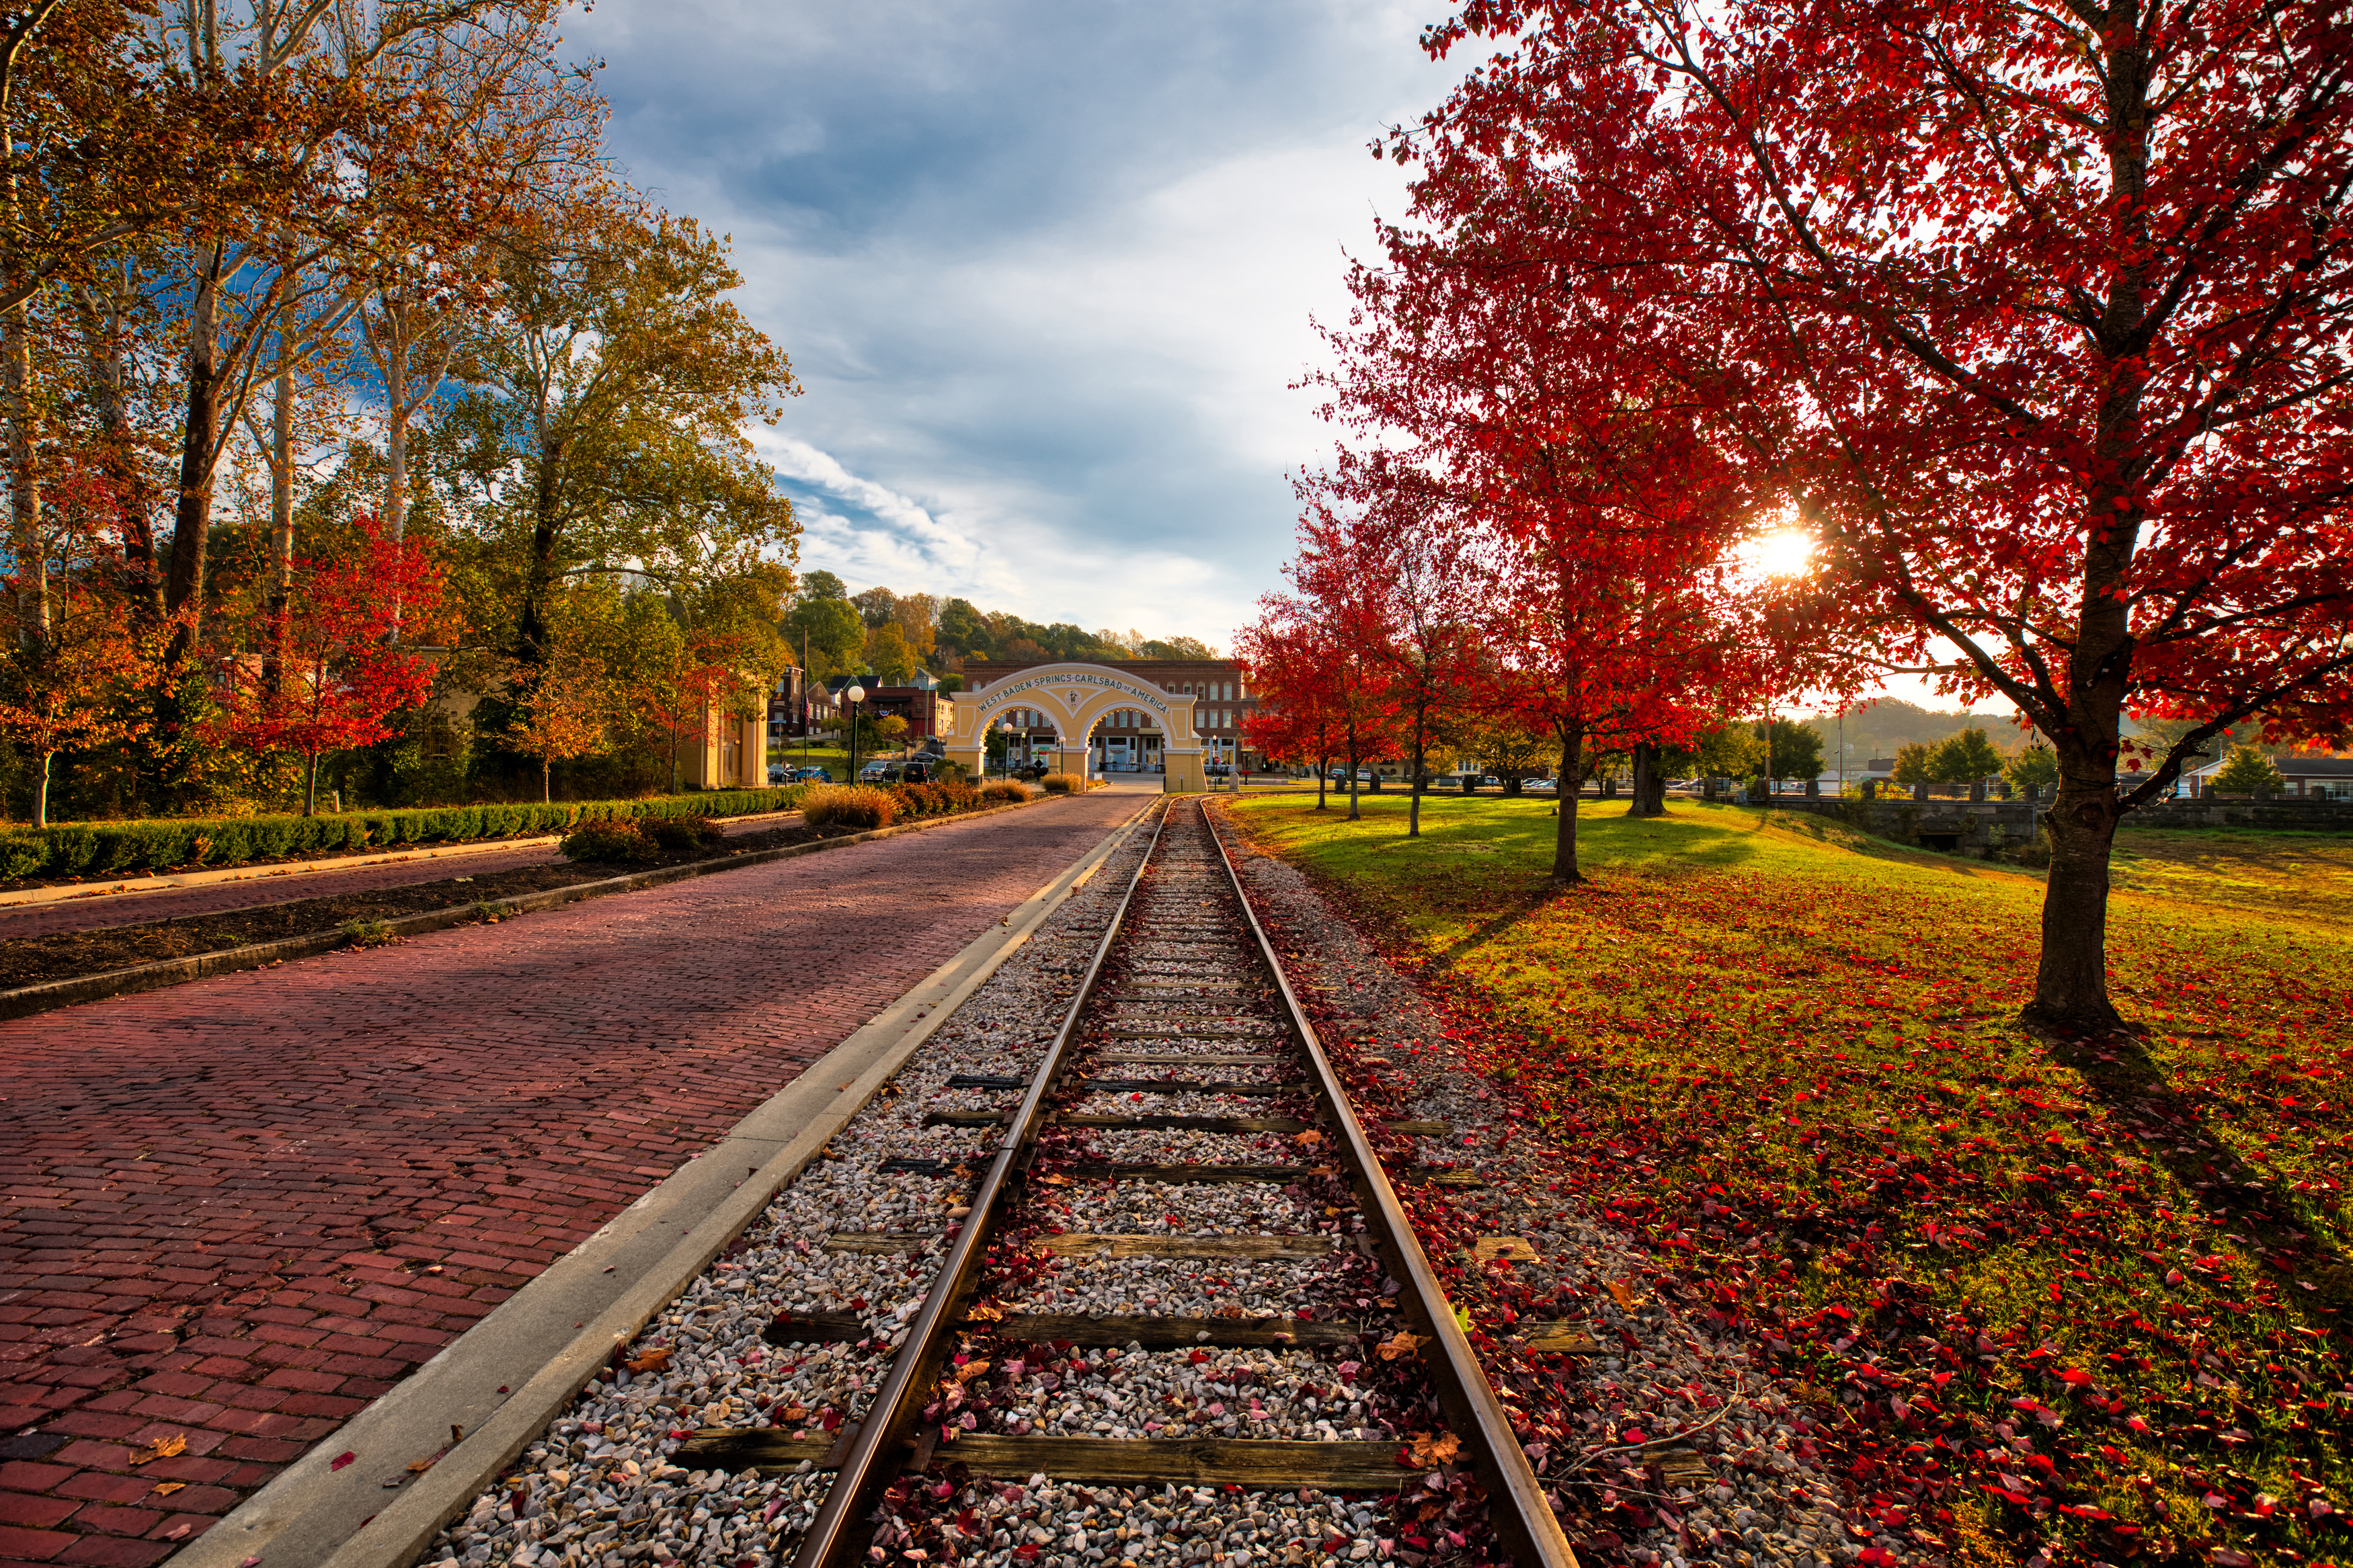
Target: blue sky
point(1046, 269)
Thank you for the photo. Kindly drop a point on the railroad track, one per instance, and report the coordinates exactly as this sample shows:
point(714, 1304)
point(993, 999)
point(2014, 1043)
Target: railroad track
point(1185, 1091)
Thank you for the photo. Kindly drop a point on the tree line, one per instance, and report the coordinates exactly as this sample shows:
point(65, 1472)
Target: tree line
point(893, 635)
point(2030, 320)
point(340, 370)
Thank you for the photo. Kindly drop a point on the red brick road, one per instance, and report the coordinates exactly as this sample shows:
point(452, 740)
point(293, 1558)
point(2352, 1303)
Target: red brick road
point(232, 1213)
point(101, 912)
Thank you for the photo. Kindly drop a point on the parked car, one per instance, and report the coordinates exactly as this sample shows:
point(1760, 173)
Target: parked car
point(1541, 786)
point(778, 773)
point(812, 774)
point(872, 772)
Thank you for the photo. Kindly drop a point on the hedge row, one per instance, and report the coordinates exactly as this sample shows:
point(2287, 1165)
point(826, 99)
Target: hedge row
point(162, 844)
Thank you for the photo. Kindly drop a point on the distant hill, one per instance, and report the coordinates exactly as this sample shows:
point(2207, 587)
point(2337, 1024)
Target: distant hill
point(1876, 728)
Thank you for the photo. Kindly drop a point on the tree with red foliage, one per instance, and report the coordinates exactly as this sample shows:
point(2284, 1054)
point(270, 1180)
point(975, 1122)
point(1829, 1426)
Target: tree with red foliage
point(338, 679)
point(75, 657)
point(1612, 514)
point(2038, 314)
point(1385, 557)
point(1292, 667)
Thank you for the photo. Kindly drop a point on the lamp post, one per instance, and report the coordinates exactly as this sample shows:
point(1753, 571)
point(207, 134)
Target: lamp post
point(853, 694)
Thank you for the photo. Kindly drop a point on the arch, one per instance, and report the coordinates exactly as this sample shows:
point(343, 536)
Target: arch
point(1074, 698)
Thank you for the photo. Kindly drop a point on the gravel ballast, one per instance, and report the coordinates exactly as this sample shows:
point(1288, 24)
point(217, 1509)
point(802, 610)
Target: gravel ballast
point(1686, 1446)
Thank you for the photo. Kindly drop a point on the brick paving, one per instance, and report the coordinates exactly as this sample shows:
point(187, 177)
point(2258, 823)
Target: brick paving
point(102, 911)
point(232, 1213)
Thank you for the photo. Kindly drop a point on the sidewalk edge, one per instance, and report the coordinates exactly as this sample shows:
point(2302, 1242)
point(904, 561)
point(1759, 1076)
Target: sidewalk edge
point(306, 1514)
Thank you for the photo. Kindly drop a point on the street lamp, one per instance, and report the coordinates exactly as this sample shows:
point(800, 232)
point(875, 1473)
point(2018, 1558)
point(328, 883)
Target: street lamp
point(853, 694)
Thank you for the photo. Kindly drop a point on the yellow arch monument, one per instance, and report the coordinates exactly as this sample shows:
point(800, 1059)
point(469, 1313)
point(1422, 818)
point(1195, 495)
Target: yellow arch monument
point(1074, 698)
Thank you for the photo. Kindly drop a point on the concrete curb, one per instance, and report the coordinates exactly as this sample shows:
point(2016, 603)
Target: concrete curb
point(271, 870)
point(351, 1502)
point(51, 995)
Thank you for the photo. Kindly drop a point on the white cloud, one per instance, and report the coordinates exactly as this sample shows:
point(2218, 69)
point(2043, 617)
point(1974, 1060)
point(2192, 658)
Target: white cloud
point(1047, 298)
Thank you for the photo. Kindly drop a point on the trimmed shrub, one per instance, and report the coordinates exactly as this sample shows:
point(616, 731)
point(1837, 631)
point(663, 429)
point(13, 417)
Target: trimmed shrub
point(1065, 783)
point(679, 832)
point(21, 857)
point(607, 838)
point(861, 807)
point(162, 844)
point(1005, 792)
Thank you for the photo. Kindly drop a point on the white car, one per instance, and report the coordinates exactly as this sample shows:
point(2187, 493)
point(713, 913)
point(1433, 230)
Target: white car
point(1541, 786)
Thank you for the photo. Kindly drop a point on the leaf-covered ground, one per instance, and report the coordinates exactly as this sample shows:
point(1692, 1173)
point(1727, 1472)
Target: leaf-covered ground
point(2058, 1304)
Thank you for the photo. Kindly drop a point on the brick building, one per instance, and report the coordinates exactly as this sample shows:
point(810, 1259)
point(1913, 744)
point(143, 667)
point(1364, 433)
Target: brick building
point(1128, 740)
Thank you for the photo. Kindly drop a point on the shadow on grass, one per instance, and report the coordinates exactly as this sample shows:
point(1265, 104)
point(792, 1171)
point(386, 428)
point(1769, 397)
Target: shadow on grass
point(2120, 1074)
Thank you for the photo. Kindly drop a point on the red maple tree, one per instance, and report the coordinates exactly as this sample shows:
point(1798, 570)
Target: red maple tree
point(2037, 314)
point(1609, 514)
point(333, 679)
point(1388, 563)
point(1293, 666)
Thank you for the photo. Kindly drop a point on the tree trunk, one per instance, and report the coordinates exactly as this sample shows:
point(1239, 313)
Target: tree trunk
point(192, 512)
point(41, 793)
point(2071, 986)
point(282, 525)
point(27, 549)
point(539, 579)
point(1570, 780)
point(546, 789)
point(26, 546)
point(396, 436)
point(1649, 788)
point(110, 390)
point(1354, 814)
point(1322, 781)
point(311, 794)
point(1413, 799)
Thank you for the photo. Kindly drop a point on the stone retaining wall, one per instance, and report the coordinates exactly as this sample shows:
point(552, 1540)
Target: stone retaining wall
point(2009, 829)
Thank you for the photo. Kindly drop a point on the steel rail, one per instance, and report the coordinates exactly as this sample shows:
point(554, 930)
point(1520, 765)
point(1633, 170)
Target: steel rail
point(1517, 1507)
point(873, 1457)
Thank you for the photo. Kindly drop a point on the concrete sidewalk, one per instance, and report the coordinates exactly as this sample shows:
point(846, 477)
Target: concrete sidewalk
point(237, 1211)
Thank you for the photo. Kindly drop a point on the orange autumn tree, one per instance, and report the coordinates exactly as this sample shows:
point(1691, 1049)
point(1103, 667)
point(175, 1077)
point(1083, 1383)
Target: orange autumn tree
point(561, 713)
point(74, 658)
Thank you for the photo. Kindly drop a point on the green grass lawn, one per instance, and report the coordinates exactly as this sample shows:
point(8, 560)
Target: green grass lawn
point(2094, 1301)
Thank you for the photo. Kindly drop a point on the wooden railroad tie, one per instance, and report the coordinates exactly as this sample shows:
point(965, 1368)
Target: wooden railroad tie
point(968, 1118)
point(1182, 1085)
point(1204, 1059)
point(1420, 1129)
point(879, 1240)
point(1188, 1123)
point(1184, 1034)
point(816, 1328)
point(1159, 1333)
point(1079, 1243)
point(1274, 1464)
point(1188, 1175)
